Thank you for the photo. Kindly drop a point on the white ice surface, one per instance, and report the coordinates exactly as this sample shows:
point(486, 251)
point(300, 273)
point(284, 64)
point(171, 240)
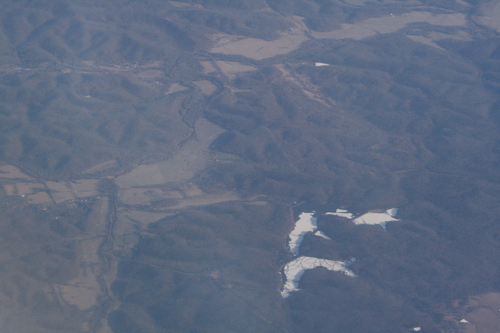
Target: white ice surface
point(306, 223)
point(464, 321)
point(341, 213)
point(297, 267)
point(392, 211)
point(320, 64)
point(377, 218)
point(321, 234)
point(416, 329)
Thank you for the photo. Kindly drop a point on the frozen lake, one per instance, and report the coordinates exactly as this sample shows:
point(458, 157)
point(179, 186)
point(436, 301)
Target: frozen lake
point(308, 222)
point(297, 267)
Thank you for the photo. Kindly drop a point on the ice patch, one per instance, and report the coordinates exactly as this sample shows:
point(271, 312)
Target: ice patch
point(306, 223)
point(341, 213)
point(320, 233)
point(297, 267)
point(320, 64)
point(377, 218)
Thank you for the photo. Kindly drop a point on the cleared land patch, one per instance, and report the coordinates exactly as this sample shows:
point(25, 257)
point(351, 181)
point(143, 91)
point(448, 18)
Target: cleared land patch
point(40, 197)
point(207, 199)
point(10, 171)
point(206, 132)
point(389, 24)
point(261, 49)
point(144, 218)
point(231, 69)
point(82, 291)
point(143, 185)
point(64, 191)
point(174, 88)
point(140, 196)
point(477, 314)
point(208, 67)
point(206, 87)
point(143, 175)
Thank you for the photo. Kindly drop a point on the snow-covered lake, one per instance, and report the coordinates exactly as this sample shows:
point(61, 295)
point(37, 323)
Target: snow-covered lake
point(297, 267)
point(378, 218)
point(372, 217)
point(306, 223)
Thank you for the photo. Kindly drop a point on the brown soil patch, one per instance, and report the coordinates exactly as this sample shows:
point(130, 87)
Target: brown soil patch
point(40, 197)
point(28, 188)
point(485, 319)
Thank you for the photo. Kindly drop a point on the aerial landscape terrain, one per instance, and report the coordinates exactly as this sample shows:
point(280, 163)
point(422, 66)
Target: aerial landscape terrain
point(249, 166)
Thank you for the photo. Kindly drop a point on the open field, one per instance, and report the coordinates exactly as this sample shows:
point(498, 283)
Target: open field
point(10, 171)
point(477, 314)
point(206, 87)
point(261, 49)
